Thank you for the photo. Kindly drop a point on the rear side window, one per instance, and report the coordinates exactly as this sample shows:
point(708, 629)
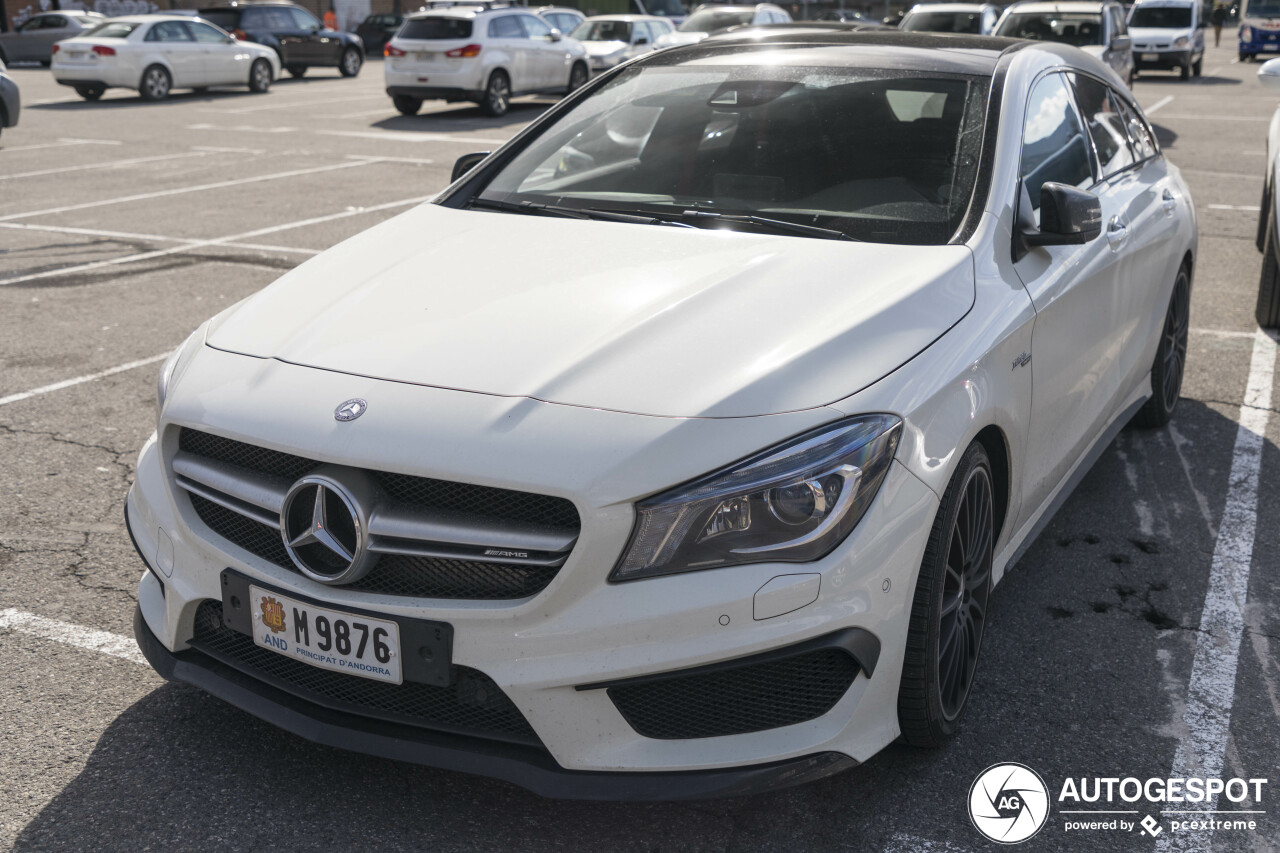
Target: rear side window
point(169, 31)
point(1053, 143)
point(229, 19)
point(506, 27)
point(1140, 136)
point(435, 28)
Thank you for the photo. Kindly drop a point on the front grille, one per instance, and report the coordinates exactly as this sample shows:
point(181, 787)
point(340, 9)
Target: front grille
point(424, 492)
point(736, 700)
point(473, 705)
point(392, 574)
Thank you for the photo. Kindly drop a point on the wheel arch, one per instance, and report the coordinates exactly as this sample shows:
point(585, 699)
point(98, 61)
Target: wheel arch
point(994, 442)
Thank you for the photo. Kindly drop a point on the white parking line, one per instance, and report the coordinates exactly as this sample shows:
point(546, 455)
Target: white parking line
point(1159, 104)
point(284, 105)
point(154, 238)
point(243, 128)
point(112, 164)
point(235, 182)
point(80, 380)
point(1211, 693)
point(1246, 207)
point(409, 136)
point(228, 150)
point(219, 241)
point(1221, 333)
point(1217, 118)
point(1234, 175)
point(61, 143)
point(72, 635)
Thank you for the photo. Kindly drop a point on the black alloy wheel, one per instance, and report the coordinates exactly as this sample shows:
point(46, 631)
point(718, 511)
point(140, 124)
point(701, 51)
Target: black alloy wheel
point(577, 77)
point(1171, 357)
point(949, 611)
point(497, 95)
point(260, 76)
point(351, 62)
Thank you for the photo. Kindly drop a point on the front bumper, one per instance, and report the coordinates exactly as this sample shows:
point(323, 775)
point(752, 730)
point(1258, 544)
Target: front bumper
point(579, 631)
point(1164, 59)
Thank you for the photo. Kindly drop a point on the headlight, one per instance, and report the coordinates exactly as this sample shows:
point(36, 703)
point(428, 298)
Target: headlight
point(1181, 41)
point(793, 503)
point(1246, 33)
point(177, 360)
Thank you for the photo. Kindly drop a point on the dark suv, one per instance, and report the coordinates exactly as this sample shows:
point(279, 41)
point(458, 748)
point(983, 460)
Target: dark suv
point(296, 35)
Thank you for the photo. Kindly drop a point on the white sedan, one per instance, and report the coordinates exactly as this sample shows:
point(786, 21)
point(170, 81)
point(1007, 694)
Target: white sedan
point(156, 54)
point(716, 501)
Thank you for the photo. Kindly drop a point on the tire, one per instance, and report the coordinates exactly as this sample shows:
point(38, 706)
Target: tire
point(1243, 57)
point(90, 93)
point(1264, 217)
point(577, 78)
point(949, 610)
point(1184, 73)
point(497, 95)
point(350, 63)
point(406, 105)
point(260, 76)
point(1268, 311)
point(1171, 357)
point(155, 83)
point(297, 70)
point(1197, 66)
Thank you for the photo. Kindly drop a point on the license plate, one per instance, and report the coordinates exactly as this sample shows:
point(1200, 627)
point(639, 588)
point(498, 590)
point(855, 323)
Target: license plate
point(422, 56)
point(77, 54)
point(349, 643)
point(1150, 57)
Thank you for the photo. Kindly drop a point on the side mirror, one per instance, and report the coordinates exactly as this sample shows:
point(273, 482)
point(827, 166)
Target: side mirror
point(1269, 74)
point(555, 35)
point(1068, 216)
point(229, 40)
point(642, 40)
point(467, 162)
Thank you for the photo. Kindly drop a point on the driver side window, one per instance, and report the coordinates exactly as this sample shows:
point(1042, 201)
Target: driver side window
point(1053, 142)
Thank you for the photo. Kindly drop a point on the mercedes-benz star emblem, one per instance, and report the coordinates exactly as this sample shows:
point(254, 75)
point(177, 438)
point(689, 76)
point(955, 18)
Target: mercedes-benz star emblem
point(350, 410)
point(323, 531)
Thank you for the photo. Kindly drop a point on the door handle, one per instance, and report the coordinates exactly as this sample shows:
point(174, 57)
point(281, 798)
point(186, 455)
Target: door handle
point(1117, 232)
point(1168, 201)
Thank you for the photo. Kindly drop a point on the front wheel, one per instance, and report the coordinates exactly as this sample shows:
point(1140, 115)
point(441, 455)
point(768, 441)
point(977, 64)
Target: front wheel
point(406, 105)
point(1184, 72)
point(90, 93)
point(1268, 312)
point(1197, 66)
point(1171, 357)
point(260, 76)
point(351, 62)
point(949, 611)
point(577, 77)
point(297, 70)
point(156, 83)
point(497, 95)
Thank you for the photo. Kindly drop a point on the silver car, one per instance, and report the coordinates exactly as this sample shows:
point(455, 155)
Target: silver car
point(10, 103)
point(33, 40)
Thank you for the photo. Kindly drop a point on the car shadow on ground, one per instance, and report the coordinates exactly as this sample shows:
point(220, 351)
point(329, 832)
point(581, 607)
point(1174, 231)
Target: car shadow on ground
point(1164, 135)
point(466, 116)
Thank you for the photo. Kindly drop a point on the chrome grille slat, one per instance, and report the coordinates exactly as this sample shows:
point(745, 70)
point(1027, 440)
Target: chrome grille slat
point(260, 490)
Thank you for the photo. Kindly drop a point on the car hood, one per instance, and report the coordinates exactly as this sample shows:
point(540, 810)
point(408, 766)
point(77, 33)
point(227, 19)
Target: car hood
point(1166, 34)
point(633, 318)
point(1095, 50)
point(677, 38)
point(604, 48)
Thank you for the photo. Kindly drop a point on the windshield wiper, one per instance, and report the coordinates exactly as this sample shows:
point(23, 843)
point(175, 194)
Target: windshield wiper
point(778, 226)
point(539, 209)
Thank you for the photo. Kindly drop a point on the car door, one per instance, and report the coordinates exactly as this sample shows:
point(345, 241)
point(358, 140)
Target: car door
point(1078, 294)
point(186, 58)
point(295, 43)
point(547, 58)
point(1119, 52)
point(322, 46)
point(39, 35)
point(506, 34)
point(223, 63)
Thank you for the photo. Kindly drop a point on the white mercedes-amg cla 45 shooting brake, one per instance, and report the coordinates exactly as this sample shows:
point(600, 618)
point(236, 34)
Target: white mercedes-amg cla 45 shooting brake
point(714, 500)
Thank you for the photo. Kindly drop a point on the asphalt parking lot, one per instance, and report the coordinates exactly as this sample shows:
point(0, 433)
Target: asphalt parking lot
point(123, 225)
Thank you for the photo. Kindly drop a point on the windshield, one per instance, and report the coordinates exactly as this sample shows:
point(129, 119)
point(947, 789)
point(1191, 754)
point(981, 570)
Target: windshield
point(603, 31)
point(879, 156)
point(1080, 29)
point(1261, 10)
point(667, 8)
point(714, 20)
point(944, 22)
point(1161, 17)
point(113, 30)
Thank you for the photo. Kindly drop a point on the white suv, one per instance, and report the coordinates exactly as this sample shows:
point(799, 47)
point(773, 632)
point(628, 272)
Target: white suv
point(487, 53)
